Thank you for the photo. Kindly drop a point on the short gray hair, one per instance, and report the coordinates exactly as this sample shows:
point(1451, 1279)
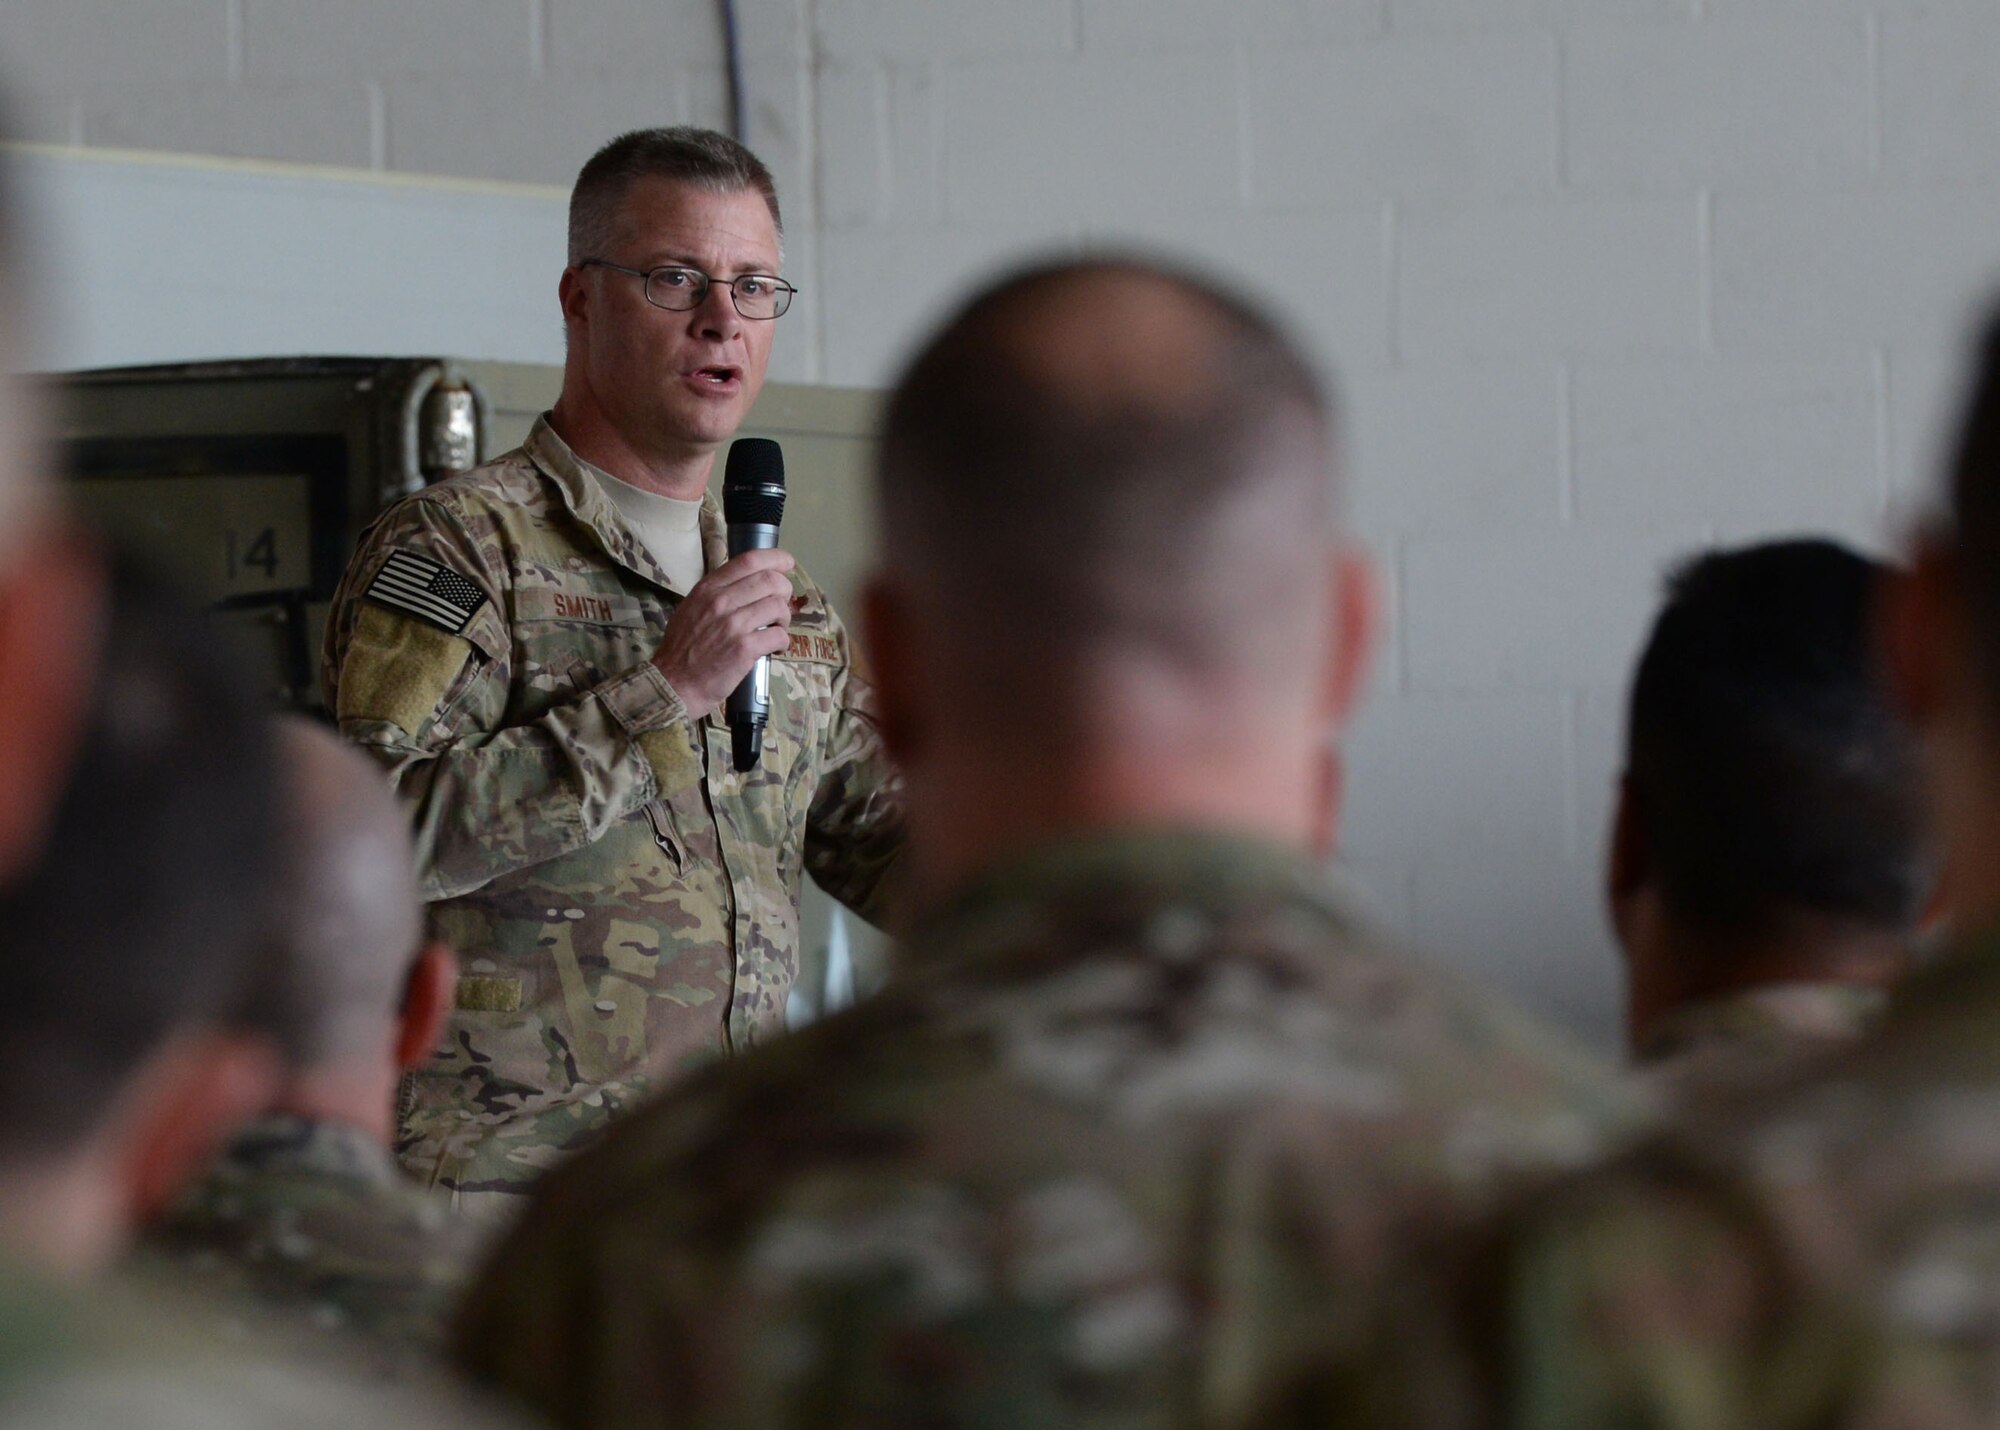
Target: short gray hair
point(684, 155)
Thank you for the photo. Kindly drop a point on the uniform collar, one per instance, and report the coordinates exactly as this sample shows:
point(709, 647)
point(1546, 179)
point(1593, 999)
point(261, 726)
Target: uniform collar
point(1180, 877)
point(580, 484)
point(1804, 1011)
point(316, 1147)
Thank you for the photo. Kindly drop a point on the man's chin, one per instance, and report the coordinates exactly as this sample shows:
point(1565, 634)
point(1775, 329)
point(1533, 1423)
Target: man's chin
point(704, 428)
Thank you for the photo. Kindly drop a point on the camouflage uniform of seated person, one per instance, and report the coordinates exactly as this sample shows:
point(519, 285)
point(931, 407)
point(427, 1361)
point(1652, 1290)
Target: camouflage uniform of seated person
point(1141, 1093)
point(306, 1213)
point(1766, 866)
point(537, 652)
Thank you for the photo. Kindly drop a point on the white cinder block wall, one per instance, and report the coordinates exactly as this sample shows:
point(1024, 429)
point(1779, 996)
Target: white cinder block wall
point(1603, 280)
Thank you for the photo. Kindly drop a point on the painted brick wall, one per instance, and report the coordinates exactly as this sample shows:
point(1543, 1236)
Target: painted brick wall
point(1603, 280)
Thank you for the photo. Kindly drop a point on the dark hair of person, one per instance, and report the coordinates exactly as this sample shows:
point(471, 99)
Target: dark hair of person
point(1768, 769)
point(684, 154)
point(141, 915)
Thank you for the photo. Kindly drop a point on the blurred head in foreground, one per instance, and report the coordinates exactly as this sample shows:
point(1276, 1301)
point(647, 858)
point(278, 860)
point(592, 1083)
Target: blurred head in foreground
point(1114, 589)
point(126, 943)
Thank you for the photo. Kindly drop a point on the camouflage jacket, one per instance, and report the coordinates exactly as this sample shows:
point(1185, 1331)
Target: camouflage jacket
point(624, 902)
point(1758, 1036)
point(120, 1358)
point(1127, 1118)
point(1823, 1254)
point(316, 1220)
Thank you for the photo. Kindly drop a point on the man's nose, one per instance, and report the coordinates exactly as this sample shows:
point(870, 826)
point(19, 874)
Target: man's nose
point(715, 317)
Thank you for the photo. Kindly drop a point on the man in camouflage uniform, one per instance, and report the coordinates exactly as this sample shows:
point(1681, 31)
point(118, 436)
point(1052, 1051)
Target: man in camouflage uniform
point(534, 653)
point(1825, 1254)
point(1766, 869)
point(306, 1213)
point(1050, 1175)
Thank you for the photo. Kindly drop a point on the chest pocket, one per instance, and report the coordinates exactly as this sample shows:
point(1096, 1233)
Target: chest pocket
point(567, 639)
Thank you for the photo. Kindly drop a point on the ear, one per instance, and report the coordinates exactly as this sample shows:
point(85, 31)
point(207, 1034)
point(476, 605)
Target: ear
point(427, 1000)
point(885, 643)
point(572, 295)
point(1627, 861)
point(1356, 595)
point(1917, 632)
point(52, 614)
point(187, 1100)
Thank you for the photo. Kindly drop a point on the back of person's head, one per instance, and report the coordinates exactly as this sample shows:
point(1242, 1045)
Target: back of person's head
point(1766, 771)
point(699, 158)
point(140, 915)
point(1103, 481)
point(348, 921)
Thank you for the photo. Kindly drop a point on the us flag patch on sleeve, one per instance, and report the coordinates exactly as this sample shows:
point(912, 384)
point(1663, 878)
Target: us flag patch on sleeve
point(424, 589)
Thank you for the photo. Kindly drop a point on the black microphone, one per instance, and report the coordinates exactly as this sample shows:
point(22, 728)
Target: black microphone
point(753, 503)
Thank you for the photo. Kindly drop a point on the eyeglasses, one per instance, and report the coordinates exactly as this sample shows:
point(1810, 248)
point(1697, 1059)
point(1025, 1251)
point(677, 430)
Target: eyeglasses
point(756, 295)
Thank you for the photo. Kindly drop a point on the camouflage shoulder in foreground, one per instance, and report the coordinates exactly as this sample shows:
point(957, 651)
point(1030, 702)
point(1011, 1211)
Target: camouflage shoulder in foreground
point(118, 1359)
point(1135, 1121)
point(314, 1221)
point(1758, 1037)
point(624, 901)
point(1824, 1254)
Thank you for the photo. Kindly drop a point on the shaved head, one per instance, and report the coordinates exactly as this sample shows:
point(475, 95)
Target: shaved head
point(349, 919)
point(1106, 465)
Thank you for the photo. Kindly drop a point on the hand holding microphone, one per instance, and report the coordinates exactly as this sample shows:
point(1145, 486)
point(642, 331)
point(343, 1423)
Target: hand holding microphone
point(720, 637)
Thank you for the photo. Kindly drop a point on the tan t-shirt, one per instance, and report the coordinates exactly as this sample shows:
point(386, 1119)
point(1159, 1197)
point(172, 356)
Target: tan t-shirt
point(669, 527)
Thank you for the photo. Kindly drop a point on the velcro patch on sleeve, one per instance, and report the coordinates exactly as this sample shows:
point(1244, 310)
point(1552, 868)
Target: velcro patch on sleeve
point(489, 995)
point(398, 670)
point(426, 589)
point(675, 760)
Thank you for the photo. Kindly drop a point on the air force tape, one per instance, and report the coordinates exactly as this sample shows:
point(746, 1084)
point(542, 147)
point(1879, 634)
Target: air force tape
point(422, 588)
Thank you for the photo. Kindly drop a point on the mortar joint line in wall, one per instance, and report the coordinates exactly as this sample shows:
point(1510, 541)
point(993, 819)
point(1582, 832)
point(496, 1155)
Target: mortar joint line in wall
point(815, 166)
point(1241, 60)
point(1885, 430)
point(1560, 148)
point(1565, 444)
point(233, 32)
point(538, 38)
point(1573, 821)
point(1872, 31)
point(1396, 554)
point(1392, 281)
point(881, 139)
point(1704, 244)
